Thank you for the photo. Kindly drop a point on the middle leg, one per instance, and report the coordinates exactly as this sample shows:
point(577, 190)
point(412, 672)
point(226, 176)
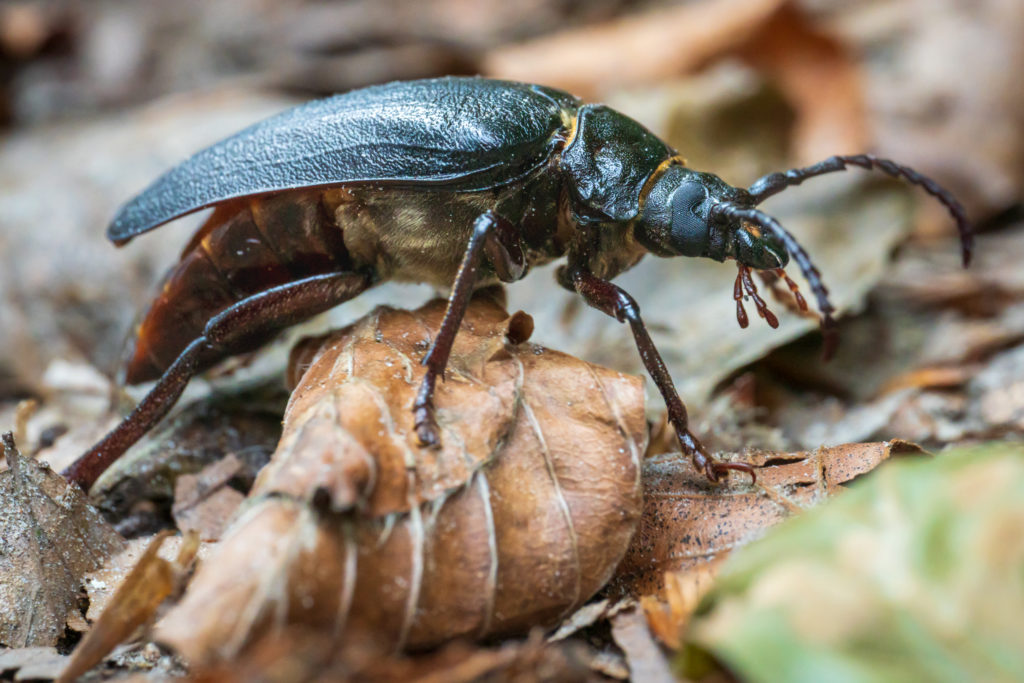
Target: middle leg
point(499, 239)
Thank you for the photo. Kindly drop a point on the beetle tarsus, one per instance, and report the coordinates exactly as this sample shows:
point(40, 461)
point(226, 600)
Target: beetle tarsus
point(423, 414)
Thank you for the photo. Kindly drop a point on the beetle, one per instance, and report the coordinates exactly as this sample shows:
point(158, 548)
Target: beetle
point(457, 182)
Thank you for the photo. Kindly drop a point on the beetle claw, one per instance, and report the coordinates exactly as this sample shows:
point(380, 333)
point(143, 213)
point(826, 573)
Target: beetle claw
point(426, 428)
point(714, 470)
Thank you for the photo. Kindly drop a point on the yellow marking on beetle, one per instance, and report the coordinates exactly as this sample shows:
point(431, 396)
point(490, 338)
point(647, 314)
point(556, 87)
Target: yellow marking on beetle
point(570, 122)
point(754, 230)
point(653, 178)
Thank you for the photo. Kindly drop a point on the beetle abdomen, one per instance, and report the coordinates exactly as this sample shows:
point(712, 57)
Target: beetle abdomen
point(246, 247)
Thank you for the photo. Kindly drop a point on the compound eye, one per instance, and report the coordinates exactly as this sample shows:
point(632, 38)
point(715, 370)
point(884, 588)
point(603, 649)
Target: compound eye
point(689, 228)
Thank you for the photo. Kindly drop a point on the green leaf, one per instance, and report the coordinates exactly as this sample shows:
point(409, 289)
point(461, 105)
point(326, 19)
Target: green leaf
point(915, 574)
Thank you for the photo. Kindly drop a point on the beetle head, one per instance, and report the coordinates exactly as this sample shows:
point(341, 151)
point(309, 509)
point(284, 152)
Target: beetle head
point(682, 216)
point(689, 213)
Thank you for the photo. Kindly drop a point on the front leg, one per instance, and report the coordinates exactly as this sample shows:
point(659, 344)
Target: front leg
point(500, 240)
point(613, 300)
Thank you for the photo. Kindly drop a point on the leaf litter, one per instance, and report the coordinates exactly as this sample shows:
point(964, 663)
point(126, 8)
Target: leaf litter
point(50, 536)
point(953, 372)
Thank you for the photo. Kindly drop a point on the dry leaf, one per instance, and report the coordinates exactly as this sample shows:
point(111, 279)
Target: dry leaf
point(645, 659)
point(132, 605)
point(814, 70)
point(358, 532)
point(688, 522)
point(635, 49)
point(689, 527)
point(204, 502)
point(102, 584)
point(49, 537)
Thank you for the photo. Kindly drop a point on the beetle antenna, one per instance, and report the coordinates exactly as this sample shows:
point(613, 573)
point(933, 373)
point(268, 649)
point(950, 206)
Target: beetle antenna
point(773, 183)
point(810, 272)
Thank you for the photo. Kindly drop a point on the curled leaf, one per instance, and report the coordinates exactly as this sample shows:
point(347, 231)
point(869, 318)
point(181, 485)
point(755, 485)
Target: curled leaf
point(358, 532)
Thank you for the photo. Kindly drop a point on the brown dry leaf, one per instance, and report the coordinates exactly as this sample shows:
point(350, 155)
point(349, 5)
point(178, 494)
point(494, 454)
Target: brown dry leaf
point(645, 659)
point(820, 79)
point(669, 611)
point(241, 425)
point(357, 531)
point(102, 584)
point(635, 49)
point(49, 537)
point(588, 615)
point(689, 526)
point(814, 70)
point(643, 655)
point(132, 605)
point(204, 502)
point(688, 522)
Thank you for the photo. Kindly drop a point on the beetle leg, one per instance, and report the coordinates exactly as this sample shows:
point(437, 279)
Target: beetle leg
point(499, 239)
point(229, 330)
point(614, 301)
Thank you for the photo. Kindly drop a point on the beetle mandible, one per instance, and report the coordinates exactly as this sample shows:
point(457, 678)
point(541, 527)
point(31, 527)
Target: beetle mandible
point(455, 182)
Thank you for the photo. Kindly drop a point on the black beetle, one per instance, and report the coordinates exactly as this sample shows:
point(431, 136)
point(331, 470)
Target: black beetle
point(458, 182)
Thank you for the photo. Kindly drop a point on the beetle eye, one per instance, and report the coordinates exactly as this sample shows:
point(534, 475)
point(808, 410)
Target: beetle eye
point(689, 228)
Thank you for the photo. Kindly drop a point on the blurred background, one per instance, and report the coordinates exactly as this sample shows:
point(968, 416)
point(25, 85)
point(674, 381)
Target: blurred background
point(98, 98)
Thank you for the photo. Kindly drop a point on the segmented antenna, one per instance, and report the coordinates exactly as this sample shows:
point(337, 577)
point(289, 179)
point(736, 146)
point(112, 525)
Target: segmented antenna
point(773, 183)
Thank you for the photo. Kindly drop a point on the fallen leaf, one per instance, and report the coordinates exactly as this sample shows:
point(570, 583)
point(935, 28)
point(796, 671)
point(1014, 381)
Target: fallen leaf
point(204, 502)
point(101, 584)
point(913, 575)
point(588, 615)
point(688, 522)
point(132, 605)
point(49, 537)
point(660, 44)
point(643, 655)
point(669, 611)
point(242, 425)
point(357, 531)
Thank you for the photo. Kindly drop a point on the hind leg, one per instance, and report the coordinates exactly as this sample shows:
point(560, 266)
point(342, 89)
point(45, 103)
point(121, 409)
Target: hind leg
point(228, 331)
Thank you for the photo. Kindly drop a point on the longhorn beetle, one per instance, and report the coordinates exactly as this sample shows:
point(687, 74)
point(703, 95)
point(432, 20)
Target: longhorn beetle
point(455, 182)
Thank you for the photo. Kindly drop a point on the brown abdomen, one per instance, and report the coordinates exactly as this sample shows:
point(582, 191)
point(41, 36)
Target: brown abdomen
point(245, 247)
